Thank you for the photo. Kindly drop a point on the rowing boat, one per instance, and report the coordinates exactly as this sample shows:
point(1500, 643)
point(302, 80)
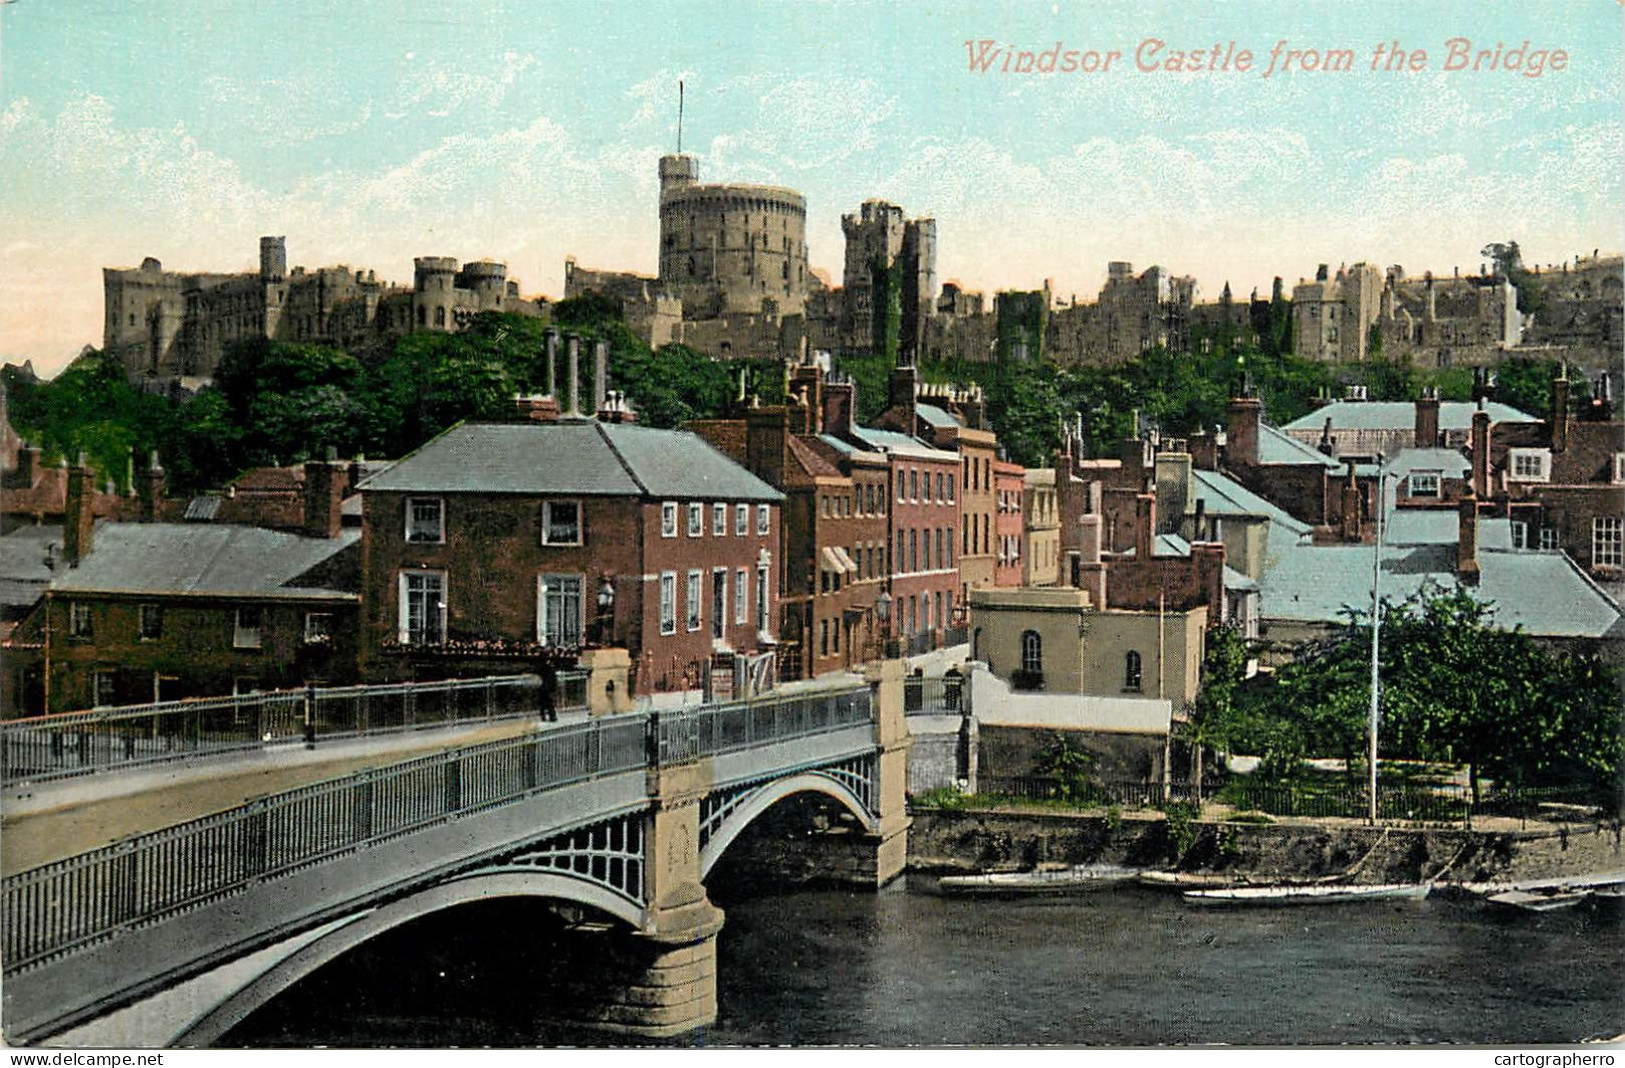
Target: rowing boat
point(1539, 902)
point(1056, 881)
point(1323, 894)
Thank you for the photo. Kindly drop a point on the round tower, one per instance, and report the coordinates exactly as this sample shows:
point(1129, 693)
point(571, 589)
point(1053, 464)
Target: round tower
point(434, 292)
point(486, 281)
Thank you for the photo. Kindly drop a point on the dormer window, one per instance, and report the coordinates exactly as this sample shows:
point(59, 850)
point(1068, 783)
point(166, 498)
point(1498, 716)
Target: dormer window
point(1529, 465)
point(1425, 483)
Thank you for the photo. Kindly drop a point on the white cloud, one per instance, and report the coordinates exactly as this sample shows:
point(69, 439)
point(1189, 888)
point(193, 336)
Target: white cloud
point(437, 90)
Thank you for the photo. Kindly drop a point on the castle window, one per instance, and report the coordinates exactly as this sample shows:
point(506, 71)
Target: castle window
point(440, 317)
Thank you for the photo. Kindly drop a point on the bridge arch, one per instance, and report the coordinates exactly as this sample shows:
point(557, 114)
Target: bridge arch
point(751, 805)
point(312, 955)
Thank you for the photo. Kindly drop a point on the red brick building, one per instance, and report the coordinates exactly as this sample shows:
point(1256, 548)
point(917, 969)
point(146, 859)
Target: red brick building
point(1009, 526)
point(501, 542)
point(141, 612)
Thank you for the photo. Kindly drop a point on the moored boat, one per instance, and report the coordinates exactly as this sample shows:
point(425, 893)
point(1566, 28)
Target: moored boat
point(1548, 901)
point(1322, 894)
point(1056, 881)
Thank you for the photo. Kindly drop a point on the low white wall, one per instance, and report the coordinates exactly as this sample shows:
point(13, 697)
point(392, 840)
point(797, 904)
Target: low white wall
point(996, 705)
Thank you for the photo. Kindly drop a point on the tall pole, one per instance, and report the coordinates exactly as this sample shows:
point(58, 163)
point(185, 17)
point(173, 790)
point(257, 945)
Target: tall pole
point(1376, 631)
point(679, 118)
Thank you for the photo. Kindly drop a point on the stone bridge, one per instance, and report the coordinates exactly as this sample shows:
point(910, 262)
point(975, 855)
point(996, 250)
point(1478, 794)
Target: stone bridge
point(171, 938)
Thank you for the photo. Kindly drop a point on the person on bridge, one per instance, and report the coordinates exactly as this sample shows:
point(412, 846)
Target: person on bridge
point(550, 684)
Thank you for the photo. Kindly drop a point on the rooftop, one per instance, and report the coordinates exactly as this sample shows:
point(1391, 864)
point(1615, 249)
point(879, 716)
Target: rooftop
point(194, 558)
point(890, 441)
point(577, 457)
point(1401, 415)
point(1222, 496)
point(1278, 447)
point(1450, 462)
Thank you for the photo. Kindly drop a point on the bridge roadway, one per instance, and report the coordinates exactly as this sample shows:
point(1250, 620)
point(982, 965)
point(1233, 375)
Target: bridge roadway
point(173, 936)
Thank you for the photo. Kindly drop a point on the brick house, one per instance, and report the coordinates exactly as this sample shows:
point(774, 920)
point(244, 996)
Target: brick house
point(834, 525)
point(140, 612)
point(1009, 531)
point(501, 543)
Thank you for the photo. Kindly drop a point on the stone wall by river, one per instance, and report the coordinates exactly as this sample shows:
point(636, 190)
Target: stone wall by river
point(1013, 841)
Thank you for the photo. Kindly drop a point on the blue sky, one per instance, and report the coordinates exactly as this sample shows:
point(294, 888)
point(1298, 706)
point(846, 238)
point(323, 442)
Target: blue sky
point(369, 131)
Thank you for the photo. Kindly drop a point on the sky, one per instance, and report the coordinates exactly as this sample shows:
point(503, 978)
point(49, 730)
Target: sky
point(372, 131)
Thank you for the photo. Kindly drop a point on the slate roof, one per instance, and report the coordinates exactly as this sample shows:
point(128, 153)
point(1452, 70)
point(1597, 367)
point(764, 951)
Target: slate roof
point(1448, 461)
point(934, 416)
point(1224, 496)
point(579, 458)
point(1543, 592)
point(1401, 415)
point(195, 558)
point(23, 574)
point(1174, 545)
point(1277, 447)
point(1441, 526)
point(891, 441)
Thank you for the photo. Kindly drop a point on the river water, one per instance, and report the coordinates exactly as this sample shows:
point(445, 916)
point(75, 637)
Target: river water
point(1122, 966)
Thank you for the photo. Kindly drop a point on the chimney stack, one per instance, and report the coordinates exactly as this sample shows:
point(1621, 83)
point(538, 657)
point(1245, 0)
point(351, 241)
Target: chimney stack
point(1242, 441)
point(573, 346)
point(324, 498)
point(552, 363)
point(151, 488)
point(1351, 506)
point(902, 387)
point(1480, 445)
point(1560, 411)
point(1328, 444)
point(600, 374)
point(78, 524)
point(840, 401)
point(28, 467)
point(1176, 485)
point(1467, 542)
point(1204, 451)
point(535, 408)
point(1090, 574)
point(1427, 419)
point(1145, 526)
point(1208, 558)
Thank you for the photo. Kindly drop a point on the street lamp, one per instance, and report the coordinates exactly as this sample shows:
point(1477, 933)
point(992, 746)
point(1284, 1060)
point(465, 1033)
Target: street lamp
point(883, 614)
point(606, 609)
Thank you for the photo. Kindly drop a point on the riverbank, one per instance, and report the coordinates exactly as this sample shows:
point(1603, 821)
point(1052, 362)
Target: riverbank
point(1010, 839)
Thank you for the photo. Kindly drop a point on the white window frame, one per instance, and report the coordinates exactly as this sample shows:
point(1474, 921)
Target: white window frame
point(694, 603)
point(1549, 540)
point(741, 596)
point(547, 523)
point(668, 519)
point(1520, 533)
point(1425, 483)
point(696, 519)
point(440, 521)
point(142, 614)
point(244, 636)
point(1619, 467)
point(103, 687)
point(545, 584)
point(741, 520)
point(81, 624)
point(719, 520)
point(763, 518)
point(318, 633)
point(403, 617)
point(1607, 541)
point(668, 602)
point(1539, 459)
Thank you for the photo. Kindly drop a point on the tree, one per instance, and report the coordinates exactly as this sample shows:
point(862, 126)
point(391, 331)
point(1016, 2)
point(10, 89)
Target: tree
point(1508, 260)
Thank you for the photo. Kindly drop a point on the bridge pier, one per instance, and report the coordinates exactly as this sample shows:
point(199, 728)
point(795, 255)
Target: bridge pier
point(667, 982)
point(885, 678)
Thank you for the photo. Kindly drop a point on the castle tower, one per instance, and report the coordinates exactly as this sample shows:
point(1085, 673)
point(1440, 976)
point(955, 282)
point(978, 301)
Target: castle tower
point(434, 292)
point(677, 172)
point(273, 259)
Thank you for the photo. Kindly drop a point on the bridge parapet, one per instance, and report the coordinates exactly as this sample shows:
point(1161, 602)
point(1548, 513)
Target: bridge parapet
point(615, 802)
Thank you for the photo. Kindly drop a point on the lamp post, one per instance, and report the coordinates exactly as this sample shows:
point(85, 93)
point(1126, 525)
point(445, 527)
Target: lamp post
point(883, 614)
point(1376, 631)
point(606, 609)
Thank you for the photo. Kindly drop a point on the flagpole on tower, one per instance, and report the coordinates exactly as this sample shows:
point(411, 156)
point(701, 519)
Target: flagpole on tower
point(679, 117)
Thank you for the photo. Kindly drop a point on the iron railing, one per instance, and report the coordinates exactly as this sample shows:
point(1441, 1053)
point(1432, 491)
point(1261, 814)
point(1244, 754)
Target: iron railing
point(80, 743)
point(71, 903)
point(918, 644)
point(943, 695)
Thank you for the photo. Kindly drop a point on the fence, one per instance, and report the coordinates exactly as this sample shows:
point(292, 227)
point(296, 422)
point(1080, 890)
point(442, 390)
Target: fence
point(60, 906)
point(79, 743)
point(947, 695)
point(1397, 803)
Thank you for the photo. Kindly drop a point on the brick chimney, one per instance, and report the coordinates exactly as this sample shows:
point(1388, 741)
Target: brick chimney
point(1480, 444)
point(535, 408)
point(1176, 486)
point(767, 440)
point(600, 374)
point(807, 385)
point(1351, 506)
point(28, 467)
point(1208, 560)
point(1204, 451)
point(1427, 419)
point(324, 498)
point(1560, 412)
point(151, 489)
point(840, 406)
point(79, 520)
point(901, 387)
point(1145, 526)
point(1241, 445)
point(1467, 542)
